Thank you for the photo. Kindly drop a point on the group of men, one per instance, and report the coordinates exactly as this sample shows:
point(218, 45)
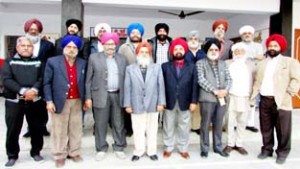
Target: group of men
point(130, 87)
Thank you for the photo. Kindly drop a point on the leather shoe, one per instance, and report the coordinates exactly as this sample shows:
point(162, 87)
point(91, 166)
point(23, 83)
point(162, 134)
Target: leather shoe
point(221, 153)
point(197, 131)
point(264, 155)
point(253, 129)
point(27, 134)
point(227, 149)
point(167, 154)
point(204, 154)
point(59, 163)
point(153, 157)
point(280, 160)
point(135, 158)
point(77, 159)
point(241, 150)
point(11, 162)
point(38, 158)
point(185, 155)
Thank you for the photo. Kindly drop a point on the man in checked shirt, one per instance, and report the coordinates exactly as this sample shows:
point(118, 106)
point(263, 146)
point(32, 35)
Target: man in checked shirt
point(214, 80)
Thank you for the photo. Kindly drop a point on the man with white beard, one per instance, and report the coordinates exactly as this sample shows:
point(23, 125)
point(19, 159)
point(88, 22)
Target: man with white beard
point(43, 49)
point(219, 28)
point(254, 55)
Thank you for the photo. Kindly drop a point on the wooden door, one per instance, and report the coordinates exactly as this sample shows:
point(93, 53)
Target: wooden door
point(296, 100)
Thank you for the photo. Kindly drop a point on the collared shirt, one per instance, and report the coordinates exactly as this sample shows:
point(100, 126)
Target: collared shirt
point(179, 64)
point(267, 86)
point(162, 50)
point(216, 72)
point(73, 92)
point(112, 75)
point(36, 48)
point(100, 46)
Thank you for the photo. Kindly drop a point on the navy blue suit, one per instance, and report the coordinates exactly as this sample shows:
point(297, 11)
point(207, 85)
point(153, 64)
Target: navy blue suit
point(189, 56)
point(183, 88)
point(56, 82)
point(46, 51)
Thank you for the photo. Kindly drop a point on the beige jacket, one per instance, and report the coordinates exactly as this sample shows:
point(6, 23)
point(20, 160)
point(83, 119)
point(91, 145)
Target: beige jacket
point(286, 81)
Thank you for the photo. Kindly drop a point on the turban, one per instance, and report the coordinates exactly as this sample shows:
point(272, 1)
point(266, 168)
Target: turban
point(246, 28)
point(74, 21)
point(161, 26)
point(71, 38)
point(33, 21)
point(195, 34)
point(279, 39)
point(220, 22)
point(99, 26)
point(239, 45)
point(110, 36)
point(211, 42)
point(144, 44)
point(137, 26)
point(178, 41)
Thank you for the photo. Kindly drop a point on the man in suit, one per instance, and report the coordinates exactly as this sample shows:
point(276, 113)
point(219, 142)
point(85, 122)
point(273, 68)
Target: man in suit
point(144, 97)
point(277, 80)
point(214, 80)
point(64, 89)
point(104, 93)
point(74, 26)
point(43, 50)
point(181, 96)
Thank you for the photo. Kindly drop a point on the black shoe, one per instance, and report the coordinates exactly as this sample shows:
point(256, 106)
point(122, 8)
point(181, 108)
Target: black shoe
point(204, 154)
point(129, 133)
point(45, 132)
point(264, 155)
point(38, 158)
point(153, 157)
point(11, 162)
point(223, 154)
point(197, 131)
point(280, 160)
point(27, 134)
point(135, 158)
point(253, 129)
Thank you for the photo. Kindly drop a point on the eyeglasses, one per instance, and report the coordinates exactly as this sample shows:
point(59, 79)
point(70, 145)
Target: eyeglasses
point(110, 44)
point(26, 46)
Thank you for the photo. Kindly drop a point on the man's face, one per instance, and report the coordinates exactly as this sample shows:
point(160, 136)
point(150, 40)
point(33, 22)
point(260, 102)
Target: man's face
point(273, 49)
point(193, 43)
point(144, 58)
point(101, 32)
point(33, 30)
point(178, 52)
point(144, 52)
point(25, 48)
point(70, 50)
point(109, 47)
point(220, 31)
point(213, 52)
point(135, 36)
point(247, 36)
point(239, 53)
point(73, 29)
point(162, 34)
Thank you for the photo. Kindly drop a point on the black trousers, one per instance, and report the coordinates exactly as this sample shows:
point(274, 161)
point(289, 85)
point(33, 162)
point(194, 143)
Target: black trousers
point(14, 115)
point(270, 118)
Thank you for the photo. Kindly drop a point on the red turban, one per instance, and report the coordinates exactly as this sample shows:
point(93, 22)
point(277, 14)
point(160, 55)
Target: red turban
point(33, 21)
point(178, 41)
point(144, 44)
point(219, 22)
point(279, 39)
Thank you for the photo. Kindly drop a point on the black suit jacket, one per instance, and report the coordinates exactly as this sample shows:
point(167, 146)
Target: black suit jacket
point(183, 88)
point(46, 51)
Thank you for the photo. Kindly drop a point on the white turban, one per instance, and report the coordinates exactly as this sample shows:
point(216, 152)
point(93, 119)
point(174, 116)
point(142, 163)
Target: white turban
point(194, 33)
point(239, 45)
point(246, 28)
point(99, 26)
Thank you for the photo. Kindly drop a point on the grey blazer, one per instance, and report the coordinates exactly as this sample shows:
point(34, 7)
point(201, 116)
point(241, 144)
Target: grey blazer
point(144, 96)
point(96, 78)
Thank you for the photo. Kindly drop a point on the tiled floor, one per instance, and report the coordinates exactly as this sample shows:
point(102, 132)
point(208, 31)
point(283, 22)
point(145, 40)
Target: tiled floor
point(214, 161)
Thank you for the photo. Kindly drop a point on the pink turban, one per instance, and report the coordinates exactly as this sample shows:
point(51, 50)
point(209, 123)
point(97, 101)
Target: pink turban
point(33, 21)
point(110, 36)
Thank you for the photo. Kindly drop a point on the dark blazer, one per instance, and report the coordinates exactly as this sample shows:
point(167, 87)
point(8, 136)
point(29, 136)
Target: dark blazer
point(153, 43)
point(189, 56)
point(46, 51)
point(56, 81)
point(183, 88)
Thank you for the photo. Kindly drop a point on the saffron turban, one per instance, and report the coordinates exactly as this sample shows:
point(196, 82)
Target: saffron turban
point(144, 44)
point(220, 22)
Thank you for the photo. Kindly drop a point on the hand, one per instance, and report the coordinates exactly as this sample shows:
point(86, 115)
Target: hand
point(87, 104)
point(30, 95)
point(160, 108)
point(51, 107)
point(223, 93)
point(128, 110)
point(193, 107)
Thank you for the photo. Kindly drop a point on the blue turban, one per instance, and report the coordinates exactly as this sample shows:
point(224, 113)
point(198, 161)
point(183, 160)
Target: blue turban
point(137, 26)
point(71, 38)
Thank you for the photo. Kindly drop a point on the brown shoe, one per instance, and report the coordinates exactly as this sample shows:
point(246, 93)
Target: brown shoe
point(77, 159)
point(241, 150)
point(167, 154)
point(184, 155)
point(59, 163)
point(227, 149)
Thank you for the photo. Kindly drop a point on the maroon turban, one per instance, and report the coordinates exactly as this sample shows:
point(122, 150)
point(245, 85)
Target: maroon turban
point(279, 39)
point(33, 21)
point(178, 41)
point(219, 22)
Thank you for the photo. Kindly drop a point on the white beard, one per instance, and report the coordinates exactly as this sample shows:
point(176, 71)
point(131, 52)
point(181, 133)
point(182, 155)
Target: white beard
point(144, 61)
point(193, 45)
point(239, 58)
point(212, 57)
point(34, 39)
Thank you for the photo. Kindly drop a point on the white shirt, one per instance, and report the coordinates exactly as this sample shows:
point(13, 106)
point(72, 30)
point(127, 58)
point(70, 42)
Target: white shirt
point(100, 47)
point(267, 86)
point(253, 49)
point(36, 48)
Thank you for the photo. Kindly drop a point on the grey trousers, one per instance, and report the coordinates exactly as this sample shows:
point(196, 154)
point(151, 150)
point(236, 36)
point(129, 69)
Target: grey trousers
point(211, 112)
point(111, 113)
